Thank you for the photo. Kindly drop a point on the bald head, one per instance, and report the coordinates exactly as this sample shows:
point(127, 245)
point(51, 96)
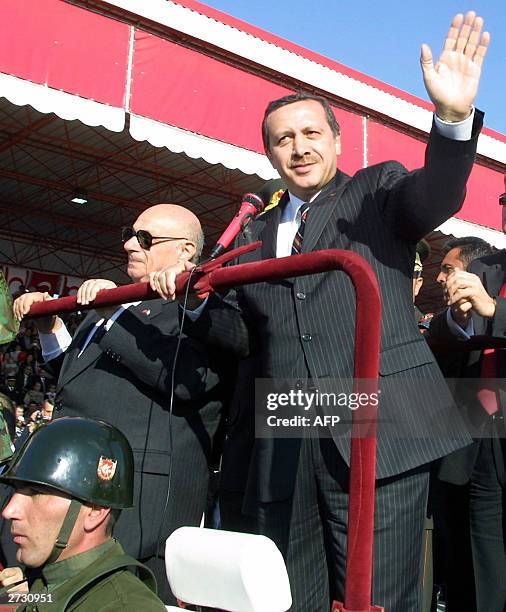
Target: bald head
point(177, 234)
point(174, 220)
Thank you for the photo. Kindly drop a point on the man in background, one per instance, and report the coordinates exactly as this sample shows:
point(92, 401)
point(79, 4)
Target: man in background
point(62, 520)
point(477, 306)
point(459, 253)
point(121, 367)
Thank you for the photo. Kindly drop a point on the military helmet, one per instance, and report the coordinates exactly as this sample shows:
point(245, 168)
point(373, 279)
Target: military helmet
point(89, 460)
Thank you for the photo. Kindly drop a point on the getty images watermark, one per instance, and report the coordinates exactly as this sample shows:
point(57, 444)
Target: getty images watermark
point(392, 407)
point(290, 408)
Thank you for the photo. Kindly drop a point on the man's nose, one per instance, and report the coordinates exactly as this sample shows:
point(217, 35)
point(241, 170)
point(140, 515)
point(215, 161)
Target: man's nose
point(441, 278)
point(299, 145)
point(132, 244)
point(11, 510)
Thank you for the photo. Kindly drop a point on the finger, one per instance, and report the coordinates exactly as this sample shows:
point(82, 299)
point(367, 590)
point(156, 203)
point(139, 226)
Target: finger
point(462, 308)
point(8, 572)
point(171, 286)
point(157, 284)
point(482, 49)
point(24, 307)
point(162, 284)
point(453, 33)
point(465, 31)
point(426, 58)
point(474, 37)
point(91, 292)
point(80, 293)
point(15, 309)
point(152, 281)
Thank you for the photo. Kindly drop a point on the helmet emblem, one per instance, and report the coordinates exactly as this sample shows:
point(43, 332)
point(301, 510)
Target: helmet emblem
point(106, 468)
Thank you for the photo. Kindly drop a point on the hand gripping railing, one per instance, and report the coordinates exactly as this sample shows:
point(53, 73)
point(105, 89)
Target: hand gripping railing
point(212, 277)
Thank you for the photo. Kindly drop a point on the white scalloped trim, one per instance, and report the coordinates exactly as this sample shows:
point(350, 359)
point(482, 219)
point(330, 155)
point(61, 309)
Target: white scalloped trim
point(65, 105)
point(460, 228)
point(200, 147)
point(281, 60)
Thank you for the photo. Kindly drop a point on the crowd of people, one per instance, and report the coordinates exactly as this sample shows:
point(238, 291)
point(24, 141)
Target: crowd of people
point(173, 378)
point(25, 382)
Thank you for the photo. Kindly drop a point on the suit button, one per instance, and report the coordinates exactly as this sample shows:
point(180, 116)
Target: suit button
point(58, 406)
point(306, 337)
point(299, 384)
point(300, 295)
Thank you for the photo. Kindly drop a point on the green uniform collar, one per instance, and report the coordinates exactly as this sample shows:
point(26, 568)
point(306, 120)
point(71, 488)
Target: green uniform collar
point(57, 573)
point(70, 579)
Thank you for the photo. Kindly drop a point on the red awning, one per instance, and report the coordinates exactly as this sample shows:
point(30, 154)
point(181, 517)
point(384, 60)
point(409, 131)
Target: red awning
point(63, 59)
point(207, 102)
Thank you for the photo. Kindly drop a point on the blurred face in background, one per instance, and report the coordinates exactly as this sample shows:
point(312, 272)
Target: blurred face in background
point(451, 263)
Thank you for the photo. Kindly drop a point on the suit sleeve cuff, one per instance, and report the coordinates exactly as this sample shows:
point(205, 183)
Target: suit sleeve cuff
point(460, 130)
point(53, 345)
point(498, 324)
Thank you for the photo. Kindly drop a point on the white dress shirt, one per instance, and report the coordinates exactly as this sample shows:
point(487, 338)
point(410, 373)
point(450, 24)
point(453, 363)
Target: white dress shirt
point(290, 217)
point(53, 345)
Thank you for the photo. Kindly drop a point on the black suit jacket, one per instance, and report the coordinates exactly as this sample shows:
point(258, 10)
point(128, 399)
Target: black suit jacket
point(125, 379)
point(305, 326)
point(457, 467)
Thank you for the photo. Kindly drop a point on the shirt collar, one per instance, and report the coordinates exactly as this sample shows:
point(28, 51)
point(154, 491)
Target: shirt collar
point(294, 203)
point(61, 571)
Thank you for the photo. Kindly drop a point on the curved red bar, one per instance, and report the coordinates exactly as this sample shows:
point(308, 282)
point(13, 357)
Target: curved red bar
point(211, 277)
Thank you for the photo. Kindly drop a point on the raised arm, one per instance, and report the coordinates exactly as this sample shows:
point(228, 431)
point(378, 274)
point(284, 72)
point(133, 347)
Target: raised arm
point(452, 83)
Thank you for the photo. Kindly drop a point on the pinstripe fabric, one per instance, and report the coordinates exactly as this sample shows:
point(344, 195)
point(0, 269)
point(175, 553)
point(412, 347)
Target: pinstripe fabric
point(310, 529)
point(305, 329)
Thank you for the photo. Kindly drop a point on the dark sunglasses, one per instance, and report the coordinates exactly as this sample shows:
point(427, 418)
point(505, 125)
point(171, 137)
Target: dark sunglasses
point(144, 238)
point(502, 199)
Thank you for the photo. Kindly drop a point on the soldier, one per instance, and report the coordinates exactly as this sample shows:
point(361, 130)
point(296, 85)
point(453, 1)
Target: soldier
point(422, 253)
point(71, 478)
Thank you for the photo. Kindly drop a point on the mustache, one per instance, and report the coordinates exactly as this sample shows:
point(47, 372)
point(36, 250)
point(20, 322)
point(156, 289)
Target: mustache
point(303, 161)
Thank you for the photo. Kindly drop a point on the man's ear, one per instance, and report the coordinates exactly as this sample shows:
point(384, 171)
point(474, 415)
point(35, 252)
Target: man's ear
point(417, 285)
point(94, 516)
point(188, 250)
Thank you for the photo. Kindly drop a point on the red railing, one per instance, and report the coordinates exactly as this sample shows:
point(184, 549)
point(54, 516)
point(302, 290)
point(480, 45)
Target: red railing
point(212, 277)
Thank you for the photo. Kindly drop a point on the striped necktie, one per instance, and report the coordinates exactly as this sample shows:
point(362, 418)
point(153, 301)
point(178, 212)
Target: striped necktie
point(297, 241)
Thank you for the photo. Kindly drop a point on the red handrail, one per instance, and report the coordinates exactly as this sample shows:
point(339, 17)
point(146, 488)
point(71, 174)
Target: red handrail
point(211, 277)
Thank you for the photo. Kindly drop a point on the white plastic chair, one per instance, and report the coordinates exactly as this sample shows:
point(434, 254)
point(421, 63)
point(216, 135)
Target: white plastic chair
point(237, 572)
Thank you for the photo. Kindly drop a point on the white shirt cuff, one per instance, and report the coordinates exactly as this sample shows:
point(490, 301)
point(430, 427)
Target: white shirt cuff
point(456, 330)
point(53, 345)
point(461, 130)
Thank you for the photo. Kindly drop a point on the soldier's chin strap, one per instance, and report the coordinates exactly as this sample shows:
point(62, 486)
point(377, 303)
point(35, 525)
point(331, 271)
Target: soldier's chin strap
point(66, 529)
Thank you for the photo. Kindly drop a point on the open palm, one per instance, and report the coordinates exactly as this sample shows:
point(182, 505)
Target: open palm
point(452, 84)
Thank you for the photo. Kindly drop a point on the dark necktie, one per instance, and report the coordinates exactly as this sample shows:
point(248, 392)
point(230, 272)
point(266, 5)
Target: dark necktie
point(297, 241)
point(488, 396)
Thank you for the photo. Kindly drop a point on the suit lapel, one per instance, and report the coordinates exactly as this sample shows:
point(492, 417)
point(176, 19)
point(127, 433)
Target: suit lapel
point(72, 365)
point(148, 309)
point(321, 210)
point(269, 233)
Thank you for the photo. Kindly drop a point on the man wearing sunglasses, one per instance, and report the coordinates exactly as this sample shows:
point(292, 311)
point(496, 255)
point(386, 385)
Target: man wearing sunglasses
point(118, 368)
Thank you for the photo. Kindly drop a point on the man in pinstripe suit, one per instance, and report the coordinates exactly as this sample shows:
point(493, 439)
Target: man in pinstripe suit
point(304, 326)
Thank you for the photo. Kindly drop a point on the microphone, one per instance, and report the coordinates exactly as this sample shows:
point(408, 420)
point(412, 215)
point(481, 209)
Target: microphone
point(252, 205)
